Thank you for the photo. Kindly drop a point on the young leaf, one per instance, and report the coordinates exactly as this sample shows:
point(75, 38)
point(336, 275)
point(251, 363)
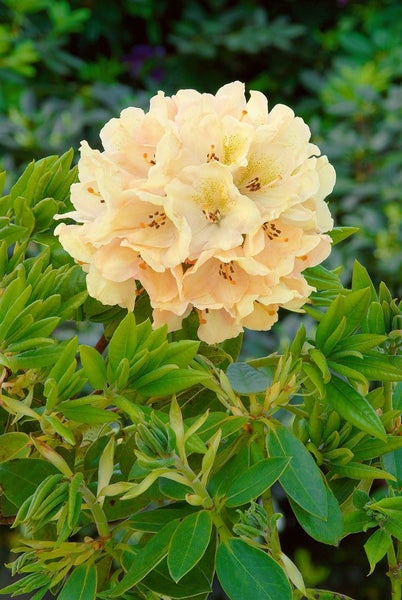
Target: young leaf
point(188, 544)
point(354, 407)
point(252, 482)
point(247, 573)
point(302, 479)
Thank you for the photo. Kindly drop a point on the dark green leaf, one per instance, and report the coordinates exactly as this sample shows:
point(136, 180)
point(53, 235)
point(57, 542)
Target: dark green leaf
point(20, 478)
point(148, 557)
point(252, 482)
point(247, 573)
point(354, 407)
point(377, 366)
point(301, 469)
point(372, 448)
point(392, 462)
point(376, 547)
point(153, 520)
point(328, 531)
point(189, 543)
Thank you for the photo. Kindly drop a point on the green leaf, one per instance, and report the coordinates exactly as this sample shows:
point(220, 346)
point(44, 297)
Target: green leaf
point(314, 594)
point(94, 366)
point(189, 543)
point(376, 366)
point(353, 307)
point(197, 581)
point(244, 379)
point(14, 445)
point(180, 353)
point(392, 462)
point(123, 342)
point(372, 448)
point(360, 342)
point(357, 521)
point(86, 414)
point(81, 585)
point(354, 407)
point(20, 478)
point(148, 557)
point(247, 573)
point(153, 520)
point(172, 382)
point(355, 470)
point(376, 547)
point(338, 234)
point(328, 531)
point(253, 481)
point(301, 469)
point(362, 280)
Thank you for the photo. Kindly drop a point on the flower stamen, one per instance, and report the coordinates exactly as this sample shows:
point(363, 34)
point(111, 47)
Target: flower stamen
point(156, 219)
point(212, 216)
point(211, 155)
point(151, 161)
point(226, 271)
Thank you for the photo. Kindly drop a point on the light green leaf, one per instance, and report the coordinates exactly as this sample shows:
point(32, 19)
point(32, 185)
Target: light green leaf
point(14, 445)
point(173, 381)
point(123, 342)
point(94, 366)
point(189, 543)
point(247, 573)
point(355, 470)
point(81, 585)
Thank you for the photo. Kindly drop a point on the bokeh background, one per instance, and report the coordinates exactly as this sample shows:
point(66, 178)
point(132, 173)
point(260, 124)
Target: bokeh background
point(66, 67)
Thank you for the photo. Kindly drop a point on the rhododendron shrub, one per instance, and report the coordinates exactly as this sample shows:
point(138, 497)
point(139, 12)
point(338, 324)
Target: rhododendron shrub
point(141, 464)
point(208, 203)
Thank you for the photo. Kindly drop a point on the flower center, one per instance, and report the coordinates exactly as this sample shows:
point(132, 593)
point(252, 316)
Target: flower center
point(213, 198)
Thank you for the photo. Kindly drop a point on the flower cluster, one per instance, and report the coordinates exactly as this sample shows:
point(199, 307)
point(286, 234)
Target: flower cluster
point(206, 202)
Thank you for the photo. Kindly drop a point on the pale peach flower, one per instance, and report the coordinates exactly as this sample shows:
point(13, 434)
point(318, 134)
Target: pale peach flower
point(210, 203)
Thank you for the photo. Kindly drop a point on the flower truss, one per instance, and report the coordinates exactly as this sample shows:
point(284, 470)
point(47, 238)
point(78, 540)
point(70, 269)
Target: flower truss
point(208, 203)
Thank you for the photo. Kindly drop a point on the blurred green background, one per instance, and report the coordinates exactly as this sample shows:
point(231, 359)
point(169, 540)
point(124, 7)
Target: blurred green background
point(66, 67)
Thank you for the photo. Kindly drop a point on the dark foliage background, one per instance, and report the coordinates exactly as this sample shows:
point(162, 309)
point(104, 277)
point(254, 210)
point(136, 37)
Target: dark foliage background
point(66, 67)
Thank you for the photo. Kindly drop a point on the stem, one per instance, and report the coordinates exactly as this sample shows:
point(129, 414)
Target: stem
point(274, 541)
point(194, 482)
point(99, 516)
point(101, 344)
point(394, 575)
